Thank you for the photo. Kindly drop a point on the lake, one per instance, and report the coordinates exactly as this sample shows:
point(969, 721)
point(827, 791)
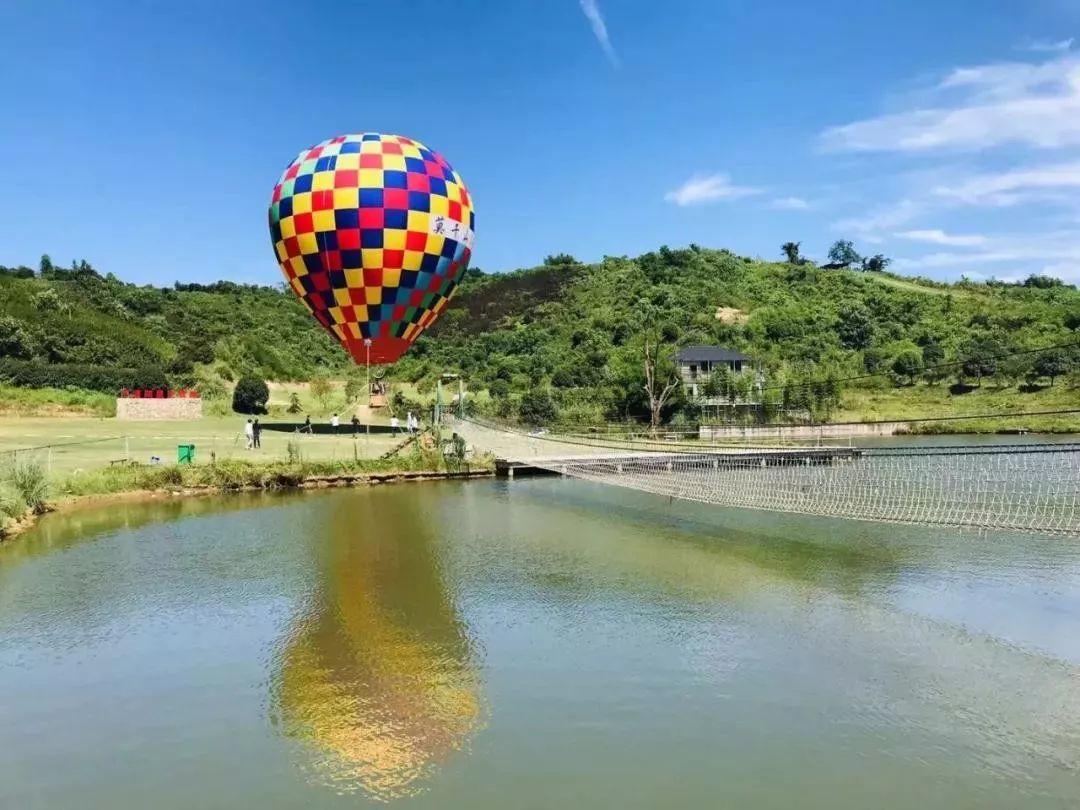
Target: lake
point(542, 643)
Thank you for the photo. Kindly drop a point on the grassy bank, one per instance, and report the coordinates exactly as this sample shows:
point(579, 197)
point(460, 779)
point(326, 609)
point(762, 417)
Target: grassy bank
point(238, 474)
point(25, 490)
point(1003, 406)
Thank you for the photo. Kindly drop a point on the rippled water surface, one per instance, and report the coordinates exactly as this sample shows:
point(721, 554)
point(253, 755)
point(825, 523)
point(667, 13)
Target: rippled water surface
point(539, 644)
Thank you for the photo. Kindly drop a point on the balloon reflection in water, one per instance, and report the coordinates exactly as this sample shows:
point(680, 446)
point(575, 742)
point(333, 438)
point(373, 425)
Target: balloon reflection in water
point(378, 675)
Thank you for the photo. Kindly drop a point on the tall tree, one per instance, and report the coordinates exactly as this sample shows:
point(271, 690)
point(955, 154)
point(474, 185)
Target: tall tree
point(843, 253)
point(661, 379)
point(1051, 364)
point(876, 263)
point(791, 251)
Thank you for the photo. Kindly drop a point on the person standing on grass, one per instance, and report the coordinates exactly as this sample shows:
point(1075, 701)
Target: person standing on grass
point(334, 422)
point(307, 424)
point(256, 433)
point(394, 426)
point(249, 434)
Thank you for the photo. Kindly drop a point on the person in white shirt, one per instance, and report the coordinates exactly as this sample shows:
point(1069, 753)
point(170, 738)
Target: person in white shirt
point(334, 421)
point(394, 425)
point(249, 434)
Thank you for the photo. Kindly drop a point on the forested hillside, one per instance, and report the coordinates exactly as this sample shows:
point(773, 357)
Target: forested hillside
point(573, 330)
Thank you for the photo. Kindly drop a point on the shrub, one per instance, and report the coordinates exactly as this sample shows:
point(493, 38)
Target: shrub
point(12, 504)
point(108, 380)
point(27, 478)
point(537, 407)
point(250, 396)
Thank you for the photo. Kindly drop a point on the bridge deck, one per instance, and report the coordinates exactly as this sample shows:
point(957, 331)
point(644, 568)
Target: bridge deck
point(508, 467)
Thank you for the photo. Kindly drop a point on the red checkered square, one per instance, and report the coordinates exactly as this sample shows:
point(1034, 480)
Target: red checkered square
point(372, 218)
point(346, 178)
point(396, 198)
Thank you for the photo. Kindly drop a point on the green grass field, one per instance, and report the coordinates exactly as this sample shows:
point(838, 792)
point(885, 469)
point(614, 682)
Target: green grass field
point(81, 443)
point(924, 401)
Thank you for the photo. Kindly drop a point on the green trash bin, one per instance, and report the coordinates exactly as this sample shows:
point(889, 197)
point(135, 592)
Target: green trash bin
point(185, 454)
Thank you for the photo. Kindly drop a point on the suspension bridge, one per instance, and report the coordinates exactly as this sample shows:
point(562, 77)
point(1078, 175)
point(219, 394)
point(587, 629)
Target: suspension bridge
point(1032, 487)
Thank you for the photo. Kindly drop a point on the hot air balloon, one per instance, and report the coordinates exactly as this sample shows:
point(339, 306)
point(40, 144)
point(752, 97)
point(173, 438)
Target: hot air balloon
point(374, 233)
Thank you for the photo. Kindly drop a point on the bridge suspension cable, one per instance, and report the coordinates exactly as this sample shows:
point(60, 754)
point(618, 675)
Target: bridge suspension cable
point(1026, 487)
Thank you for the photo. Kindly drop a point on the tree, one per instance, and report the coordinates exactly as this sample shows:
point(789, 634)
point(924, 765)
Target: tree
point(855, 328)
point(560, 260)
point(250, 396)
point(537, 407)
point(499, 389)
point(980, 359)
point(354, 388)
point(14, 341)
point(932, 353)
point(660, 380)
point(876, 263)
point(45, 266)
point(909, 364)
point(1051, 364)
point(843, 253)
point(47, 300)
point(791, 251)
point(294, 403)
point(714, 386)
point(321, 388)
point(873, 360)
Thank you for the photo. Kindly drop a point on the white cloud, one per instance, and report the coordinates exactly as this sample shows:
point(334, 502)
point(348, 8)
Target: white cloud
point(1011, 187)
point(1037, 105)
point(1019, 255)
point(885, 218)
point(592, 12)
point(1047, 45)
point(790, 204)
point(936, 236)
point(705, 189)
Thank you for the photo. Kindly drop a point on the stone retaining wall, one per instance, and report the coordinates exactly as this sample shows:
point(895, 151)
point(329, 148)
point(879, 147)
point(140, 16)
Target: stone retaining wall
point(147, 410)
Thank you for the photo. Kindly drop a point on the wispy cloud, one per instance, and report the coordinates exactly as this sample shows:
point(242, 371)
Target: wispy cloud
point(885, 218)
point(1046, 45)
point(592, 12)
point(1036, 105)
point(790, 204)
point(1014, 186)
point(1016, 255)
point(935, 236)
point(705, 189)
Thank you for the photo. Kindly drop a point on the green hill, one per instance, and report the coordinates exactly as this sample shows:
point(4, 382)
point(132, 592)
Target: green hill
point(576, 330)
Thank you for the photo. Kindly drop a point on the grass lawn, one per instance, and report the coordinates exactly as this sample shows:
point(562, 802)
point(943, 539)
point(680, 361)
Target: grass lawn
point(924, 401)
point(83, 443)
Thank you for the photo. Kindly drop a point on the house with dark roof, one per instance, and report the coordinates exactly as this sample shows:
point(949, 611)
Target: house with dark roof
point(697, 364)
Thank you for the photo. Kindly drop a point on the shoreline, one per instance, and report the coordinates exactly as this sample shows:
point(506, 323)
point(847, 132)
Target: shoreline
point(75, 503)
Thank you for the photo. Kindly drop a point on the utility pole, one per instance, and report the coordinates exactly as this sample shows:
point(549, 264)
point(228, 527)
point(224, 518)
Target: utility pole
point(367, 421)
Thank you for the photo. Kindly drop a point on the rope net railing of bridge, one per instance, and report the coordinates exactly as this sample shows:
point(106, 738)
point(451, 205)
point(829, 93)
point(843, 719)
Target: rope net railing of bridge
point(1025, 487)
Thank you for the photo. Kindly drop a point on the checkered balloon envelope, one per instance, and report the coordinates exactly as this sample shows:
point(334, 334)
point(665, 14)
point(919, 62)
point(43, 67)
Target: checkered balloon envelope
point(373, 233)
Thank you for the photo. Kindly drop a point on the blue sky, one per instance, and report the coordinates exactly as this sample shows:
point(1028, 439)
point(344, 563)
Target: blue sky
point(146, 136)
